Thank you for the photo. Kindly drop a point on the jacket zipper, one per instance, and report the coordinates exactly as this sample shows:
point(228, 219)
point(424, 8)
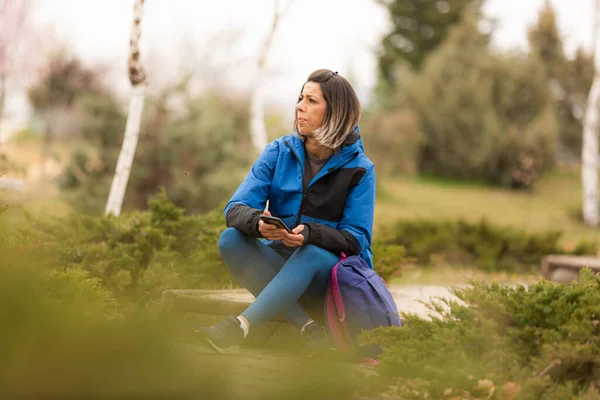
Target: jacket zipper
point(305, 190)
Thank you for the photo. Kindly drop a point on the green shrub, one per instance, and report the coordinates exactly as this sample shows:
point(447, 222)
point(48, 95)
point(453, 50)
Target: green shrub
point(389, 259)
point(63, 337)
point(499, 342)
point(480, 243)
point(140, 253)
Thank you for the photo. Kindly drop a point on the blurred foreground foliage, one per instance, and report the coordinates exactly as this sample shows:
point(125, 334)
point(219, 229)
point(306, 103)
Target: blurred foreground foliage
point(65, 336)
point(498, 342)
point(68, 329)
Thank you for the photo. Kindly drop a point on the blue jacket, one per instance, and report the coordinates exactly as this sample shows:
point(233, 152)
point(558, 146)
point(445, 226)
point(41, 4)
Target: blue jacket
point(337, 206)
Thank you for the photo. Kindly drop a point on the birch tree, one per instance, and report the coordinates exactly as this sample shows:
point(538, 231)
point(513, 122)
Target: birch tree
point(16, 43)
point(137, 77)
point(258, 131)
point(589, 156)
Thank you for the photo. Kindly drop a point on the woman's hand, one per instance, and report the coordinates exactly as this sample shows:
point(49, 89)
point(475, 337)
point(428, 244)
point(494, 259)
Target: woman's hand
point(270, 231)
point(294, 239)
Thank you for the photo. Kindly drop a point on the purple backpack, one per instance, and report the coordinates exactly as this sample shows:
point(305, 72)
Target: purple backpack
point(357, 299)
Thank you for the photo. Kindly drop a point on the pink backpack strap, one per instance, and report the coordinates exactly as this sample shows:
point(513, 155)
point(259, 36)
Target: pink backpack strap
point(336, 315)
point(334, 327)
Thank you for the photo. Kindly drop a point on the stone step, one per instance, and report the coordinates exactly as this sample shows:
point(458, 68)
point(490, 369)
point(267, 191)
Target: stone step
point(196, 308)
point(218, 302)
point(563, 268)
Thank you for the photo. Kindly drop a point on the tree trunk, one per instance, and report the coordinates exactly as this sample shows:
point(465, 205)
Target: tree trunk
point(3, 137)
point(137, 77)
point(258, 131)
point(589, 156)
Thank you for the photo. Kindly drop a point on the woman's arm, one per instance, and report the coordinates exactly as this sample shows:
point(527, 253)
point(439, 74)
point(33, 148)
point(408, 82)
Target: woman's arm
point(248, 202)
point(354, 231)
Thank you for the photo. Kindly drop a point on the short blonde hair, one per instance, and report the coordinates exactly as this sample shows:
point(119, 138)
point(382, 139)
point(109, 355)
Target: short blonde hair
point(343, 108)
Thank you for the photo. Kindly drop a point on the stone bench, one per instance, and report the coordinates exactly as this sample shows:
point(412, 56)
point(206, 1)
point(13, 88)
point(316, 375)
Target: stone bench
point(195, 308)
point(561, 268)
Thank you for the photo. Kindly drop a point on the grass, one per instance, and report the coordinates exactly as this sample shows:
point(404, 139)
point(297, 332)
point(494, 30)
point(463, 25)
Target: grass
point(41, 196)
point(552, 205)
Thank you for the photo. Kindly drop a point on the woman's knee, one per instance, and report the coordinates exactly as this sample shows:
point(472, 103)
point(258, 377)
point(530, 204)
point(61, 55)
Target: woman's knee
point(312, 252)
point(230, 240)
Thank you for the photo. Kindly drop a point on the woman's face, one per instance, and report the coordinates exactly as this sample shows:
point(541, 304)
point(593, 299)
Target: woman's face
point(311, 108)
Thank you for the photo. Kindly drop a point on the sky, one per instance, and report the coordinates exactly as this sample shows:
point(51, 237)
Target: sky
point(219, 40)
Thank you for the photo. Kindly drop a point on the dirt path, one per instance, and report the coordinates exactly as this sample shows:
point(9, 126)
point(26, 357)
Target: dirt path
point(409, 298)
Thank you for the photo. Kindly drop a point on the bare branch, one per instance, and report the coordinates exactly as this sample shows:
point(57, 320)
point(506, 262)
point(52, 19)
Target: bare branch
point(286, 8)
point(277, 16)
point(258, 131)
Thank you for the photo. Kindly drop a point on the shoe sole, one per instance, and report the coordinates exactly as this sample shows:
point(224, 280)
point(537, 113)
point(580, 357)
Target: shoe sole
point(224, 350)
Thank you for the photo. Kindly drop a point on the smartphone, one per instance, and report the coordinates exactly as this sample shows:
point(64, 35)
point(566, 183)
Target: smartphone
point(275, 221)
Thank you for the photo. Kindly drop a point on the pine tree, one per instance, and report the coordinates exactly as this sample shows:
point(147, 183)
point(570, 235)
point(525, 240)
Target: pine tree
point(418, 27)
point(546, 43)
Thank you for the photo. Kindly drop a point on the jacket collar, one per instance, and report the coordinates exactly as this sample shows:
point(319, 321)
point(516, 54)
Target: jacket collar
point(352, 144)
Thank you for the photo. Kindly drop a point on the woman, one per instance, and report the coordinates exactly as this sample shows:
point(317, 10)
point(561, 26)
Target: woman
point(318, 181)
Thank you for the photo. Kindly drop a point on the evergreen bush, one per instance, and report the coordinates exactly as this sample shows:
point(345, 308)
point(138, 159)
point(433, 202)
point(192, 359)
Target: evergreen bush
point(498, 342)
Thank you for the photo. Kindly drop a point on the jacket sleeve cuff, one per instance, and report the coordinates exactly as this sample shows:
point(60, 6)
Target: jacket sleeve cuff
point(333, 240)
point(306, 233)
point(244, 219)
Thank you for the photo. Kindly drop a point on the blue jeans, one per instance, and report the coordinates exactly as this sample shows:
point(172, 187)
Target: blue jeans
point(276, 283)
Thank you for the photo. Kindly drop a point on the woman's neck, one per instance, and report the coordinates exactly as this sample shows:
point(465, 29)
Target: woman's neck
point(315, 149)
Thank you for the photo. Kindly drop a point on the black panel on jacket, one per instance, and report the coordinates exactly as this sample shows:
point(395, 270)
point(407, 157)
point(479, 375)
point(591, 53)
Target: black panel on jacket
point(326, 198)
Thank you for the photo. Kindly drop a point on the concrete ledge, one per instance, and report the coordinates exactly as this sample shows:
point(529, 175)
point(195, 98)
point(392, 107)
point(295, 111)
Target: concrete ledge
point(196, 308)
point(219, 302)
point(561, 268)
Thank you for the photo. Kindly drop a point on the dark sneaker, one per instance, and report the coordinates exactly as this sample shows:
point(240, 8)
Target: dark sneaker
point(317, 342)
point(225, 336)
